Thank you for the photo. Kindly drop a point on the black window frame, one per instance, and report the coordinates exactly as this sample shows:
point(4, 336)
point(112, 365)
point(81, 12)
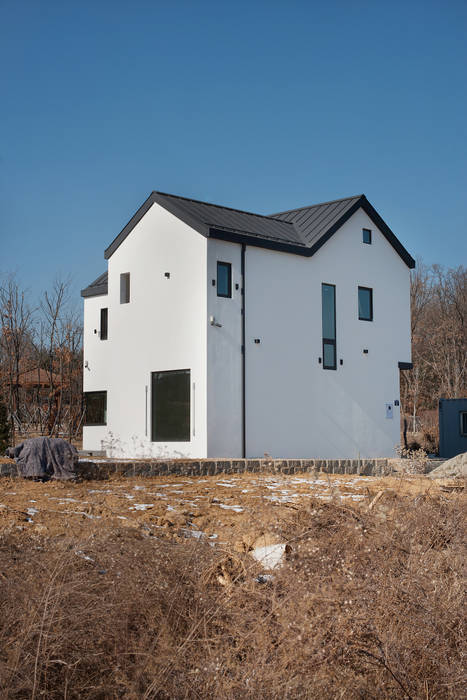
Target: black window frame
point(329, 341)
point(366, 230)
point(365, 289)
point(155, 436)
point(228, 266)
point(462, 420)
point(104, 324)
point(124, 288)
point(94, 395)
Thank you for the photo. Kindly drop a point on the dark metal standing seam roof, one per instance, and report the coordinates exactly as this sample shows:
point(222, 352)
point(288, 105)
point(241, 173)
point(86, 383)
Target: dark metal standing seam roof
point(96, 288)
point(207, 218)
point(315, 220)
point(214, 216)
point(319, 222)
point(299, 231)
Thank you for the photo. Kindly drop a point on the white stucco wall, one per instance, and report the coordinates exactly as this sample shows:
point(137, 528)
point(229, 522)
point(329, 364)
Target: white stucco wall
point(162, 328)
point(294, 407)
point(96, 373)
point(224, 358)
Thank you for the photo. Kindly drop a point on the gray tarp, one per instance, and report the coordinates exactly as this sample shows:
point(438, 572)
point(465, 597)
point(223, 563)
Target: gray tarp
point(45, 458)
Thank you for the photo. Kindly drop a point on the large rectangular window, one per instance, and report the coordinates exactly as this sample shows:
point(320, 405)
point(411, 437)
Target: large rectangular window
point(125, 288)
point(104, 324)
point(224, 279)
point(95, 405)
point(365, 304)
point(328, 302)
point(170, 403)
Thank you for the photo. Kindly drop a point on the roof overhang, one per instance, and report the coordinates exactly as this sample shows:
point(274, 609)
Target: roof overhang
point(259, 242)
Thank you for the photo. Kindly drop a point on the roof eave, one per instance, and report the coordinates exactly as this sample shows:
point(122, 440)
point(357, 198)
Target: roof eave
point(257, 241)
point(387, 233)
point(97, 291)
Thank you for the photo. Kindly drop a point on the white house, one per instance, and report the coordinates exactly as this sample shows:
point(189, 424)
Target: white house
point(221, 333)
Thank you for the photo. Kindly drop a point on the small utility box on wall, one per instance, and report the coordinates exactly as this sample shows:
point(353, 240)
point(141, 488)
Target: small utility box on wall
point(452, 427)
point(389, 410)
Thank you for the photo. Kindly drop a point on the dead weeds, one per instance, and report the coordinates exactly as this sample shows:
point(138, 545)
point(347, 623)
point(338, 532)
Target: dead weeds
point(369, 602)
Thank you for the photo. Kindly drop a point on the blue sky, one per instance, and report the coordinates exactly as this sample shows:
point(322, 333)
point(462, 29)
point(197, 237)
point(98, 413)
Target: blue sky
point(259, 105)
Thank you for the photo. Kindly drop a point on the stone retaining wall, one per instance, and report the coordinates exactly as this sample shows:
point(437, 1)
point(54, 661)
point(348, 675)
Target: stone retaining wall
point(205, 467)
point(87, 469)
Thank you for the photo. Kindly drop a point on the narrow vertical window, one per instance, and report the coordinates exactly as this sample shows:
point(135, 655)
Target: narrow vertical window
point(328, 301)
point(104, 324)
point(366, 232)
point(125, 288)
point(170, 404)
point(365, 304)
point(224, 279)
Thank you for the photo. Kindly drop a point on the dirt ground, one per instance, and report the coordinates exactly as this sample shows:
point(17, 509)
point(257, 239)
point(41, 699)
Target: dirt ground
point(220, 508)
point(159, 588)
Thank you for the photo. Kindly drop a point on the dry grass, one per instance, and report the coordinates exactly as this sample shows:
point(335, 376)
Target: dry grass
point(368, 605)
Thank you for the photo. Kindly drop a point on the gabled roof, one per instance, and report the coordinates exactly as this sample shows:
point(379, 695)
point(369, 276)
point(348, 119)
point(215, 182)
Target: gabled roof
point(37, 377)
point(299, 231)
point(318, 222)
point(314, 221)
point(208, 218)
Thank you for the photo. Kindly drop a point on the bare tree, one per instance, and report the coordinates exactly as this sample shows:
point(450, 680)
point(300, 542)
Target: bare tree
point(439, 339)
point(16, 319)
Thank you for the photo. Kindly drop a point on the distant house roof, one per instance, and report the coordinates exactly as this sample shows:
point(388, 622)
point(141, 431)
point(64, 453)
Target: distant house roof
point(299, 231)
point(37, 378)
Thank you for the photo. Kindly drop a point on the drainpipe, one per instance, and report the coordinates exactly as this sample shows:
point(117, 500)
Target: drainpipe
point(243, 355)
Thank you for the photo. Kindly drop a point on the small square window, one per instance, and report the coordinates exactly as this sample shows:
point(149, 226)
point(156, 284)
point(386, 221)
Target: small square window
point(366, 235)
point(329, 354)
point(104, 324)
point(365, 304)
point(463, 423)
point(95, 403)
point(224, 279)
point(125, 288)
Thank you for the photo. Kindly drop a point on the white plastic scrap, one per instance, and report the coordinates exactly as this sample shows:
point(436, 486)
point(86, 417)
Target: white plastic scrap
point(269, 556)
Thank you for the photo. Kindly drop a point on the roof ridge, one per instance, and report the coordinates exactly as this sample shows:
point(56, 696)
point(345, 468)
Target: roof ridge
point(220, 206)
point(319, 204)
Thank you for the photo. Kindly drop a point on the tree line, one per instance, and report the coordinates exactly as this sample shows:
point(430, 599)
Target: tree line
point(439, 347)
point(40, 361)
